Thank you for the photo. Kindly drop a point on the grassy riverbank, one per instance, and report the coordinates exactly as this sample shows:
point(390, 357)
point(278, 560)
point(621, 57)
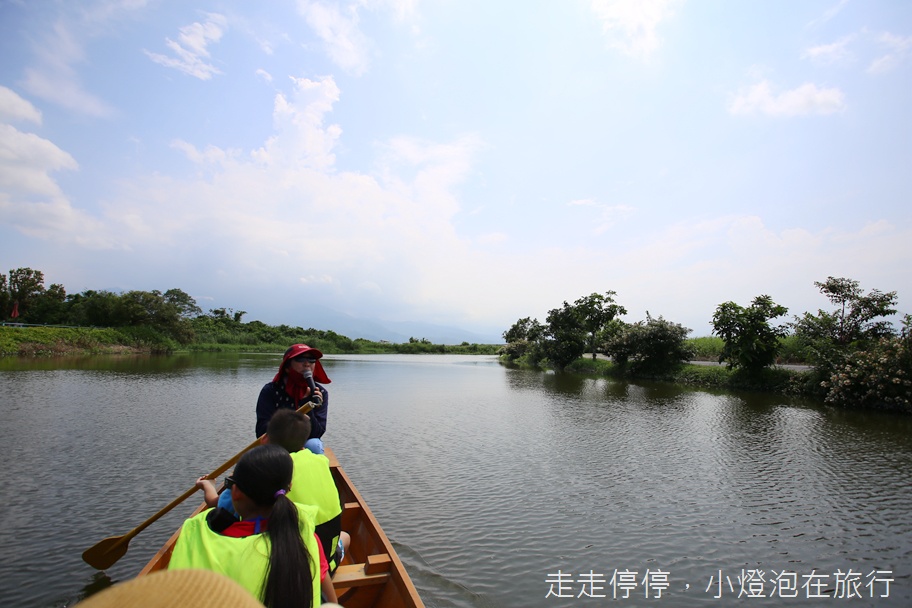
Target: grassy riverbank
point(58, 341)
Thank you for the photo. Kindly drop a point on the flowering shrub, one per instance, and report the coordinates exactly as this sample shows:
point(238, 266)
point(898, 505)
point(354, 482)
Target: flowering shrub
point(878, 377)
point(651, 346)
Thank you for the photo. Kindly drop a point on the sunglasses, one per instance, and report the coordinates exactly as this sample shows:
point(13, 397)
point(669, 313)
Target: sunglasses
point(230, 483)
point(304, 359)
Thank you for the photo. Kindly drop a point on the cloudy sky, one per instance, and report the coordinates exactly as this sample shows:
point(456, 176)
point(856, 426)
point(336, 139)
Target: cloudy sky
point(459, 162)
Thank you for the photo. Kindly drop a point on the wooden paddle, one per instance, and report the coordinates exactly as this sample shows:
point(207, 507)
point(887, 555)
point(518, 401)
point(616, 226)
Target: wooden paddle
point(104, 554)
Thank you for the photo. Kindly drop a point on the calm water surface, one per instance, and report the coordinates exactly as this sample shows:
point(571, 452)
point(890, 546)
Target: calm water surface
point(494, 484)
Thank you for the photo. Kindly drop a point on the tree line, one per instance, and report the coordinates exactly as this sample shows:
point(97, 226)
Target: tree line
point(24, 299)
point(165, 321)
point(857, 356)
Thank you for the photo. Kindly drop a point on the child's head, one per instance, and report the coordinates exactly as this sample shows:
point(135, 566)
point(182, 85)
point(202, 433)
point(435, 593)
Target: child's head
point(261, 472)
point(289, 429)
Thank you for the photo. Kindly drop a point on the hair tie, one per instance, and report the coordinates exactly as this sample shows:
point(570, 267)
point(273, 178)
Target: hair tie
point(279, 493)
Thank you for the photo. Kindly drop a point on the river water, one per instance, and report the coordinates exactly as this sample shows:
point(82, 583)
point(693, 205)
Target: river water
point(499, 487)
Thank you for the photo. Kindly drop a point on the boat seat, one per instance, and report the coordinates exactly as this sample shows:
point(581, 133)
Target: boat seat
point(372, 572)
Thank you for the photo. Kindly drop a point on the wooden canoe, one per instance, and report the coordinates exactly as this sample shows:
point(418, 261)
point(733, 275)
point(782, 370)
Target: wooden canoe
point(370, 576)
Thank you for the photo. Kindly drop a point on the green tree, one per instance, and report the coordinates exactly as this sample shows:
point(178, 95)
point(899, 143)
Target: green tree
point(6, 304)
point(595, 312)
point(25, 286)
point(653, 346)
point(93, 308)
point(183, 302)
point(565, 338)
point(146, 309)
point(526, 329)
point(152, 309)
point(856, 322)
point(523, 339)
point(50, 307)
point(750, 342)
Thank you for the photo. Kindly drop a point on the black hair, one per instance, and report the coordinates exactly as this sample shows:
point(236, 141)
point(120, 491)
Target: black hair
point(260, 474)
point(289, 429)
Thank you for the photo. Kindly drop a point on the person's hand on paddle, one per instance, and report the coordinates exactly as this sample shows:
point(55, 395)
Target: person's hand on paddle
point(210, 494)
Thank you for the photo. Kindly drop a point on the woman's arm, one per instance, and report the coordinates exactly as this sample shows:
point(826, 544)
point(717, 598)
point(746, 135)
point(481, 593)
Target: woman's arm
point(266, 406)
point(318, 416)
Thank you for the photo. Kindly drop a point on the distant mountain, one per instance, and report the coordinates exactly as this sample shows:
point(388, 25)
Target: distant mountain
point(438, 334)
point(320, 317)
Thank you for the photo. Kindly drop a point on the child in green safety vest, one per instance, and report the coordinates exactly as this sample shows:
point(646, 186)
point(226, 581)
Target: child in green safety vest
point(272, 551)
point(312, 483)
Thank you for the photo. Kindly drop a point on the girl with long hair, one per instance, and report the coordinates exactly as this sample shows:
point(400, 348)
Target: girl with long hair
point(272, 551)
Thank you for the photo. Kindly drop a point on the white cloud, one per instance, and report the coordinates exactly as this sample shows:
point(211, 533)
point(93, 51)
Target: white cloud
point(210, 155)
point(26, 162)
point(830, 13)
point(835, 52)
point(191, 48)
point(898, 48)
point(403, 10)
point(55, 79)
point(608, 215)
point(31, 200)
point(343, 40)
point(105, 11)
point(631, 25)
point(492, 238)
point(15, 108)
point(301, 137)
point(283, 214)
point(338, 26)
point(53, 76)
point(806, 99)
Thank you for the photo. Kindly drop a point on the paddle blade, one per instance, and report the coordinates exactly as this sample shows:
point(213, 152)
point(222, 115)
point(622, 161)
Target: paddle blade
point(105, 553)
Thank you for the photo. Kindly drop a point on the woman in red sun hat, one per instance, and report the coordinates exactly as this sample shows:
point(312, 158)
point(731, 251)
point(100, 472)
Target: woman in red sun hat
point(299, 380)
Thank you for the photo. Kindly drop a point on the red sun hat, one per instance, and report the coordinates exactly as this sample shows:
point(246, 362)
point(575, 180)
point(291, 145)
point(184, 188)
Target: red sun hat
point(302, 349)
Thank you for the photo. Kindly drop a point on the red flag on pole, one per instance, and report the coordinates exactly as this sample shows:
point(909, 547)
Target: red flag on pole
point(15, 312)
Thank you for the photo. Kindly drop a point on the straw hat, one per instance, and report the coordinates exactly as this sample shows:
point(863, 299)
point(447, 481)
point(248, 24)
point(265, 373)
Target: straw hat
point(173, 589)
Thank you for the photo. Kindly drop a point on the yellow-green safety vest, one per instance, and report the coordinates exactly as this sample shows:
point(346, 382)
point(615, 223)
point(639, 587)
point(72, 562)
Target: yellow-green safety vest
point(312, 484)
point(244, 560)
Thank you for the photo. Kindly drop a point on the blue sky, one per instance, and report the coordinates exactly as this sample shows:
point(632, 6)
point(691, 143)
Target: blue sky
point(464, 163)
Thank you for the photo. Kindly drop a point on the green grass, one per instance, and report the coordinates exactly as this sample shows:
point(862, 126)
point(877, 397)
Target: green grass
point(51, 341)
point(707, 348)
point(42, 341)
